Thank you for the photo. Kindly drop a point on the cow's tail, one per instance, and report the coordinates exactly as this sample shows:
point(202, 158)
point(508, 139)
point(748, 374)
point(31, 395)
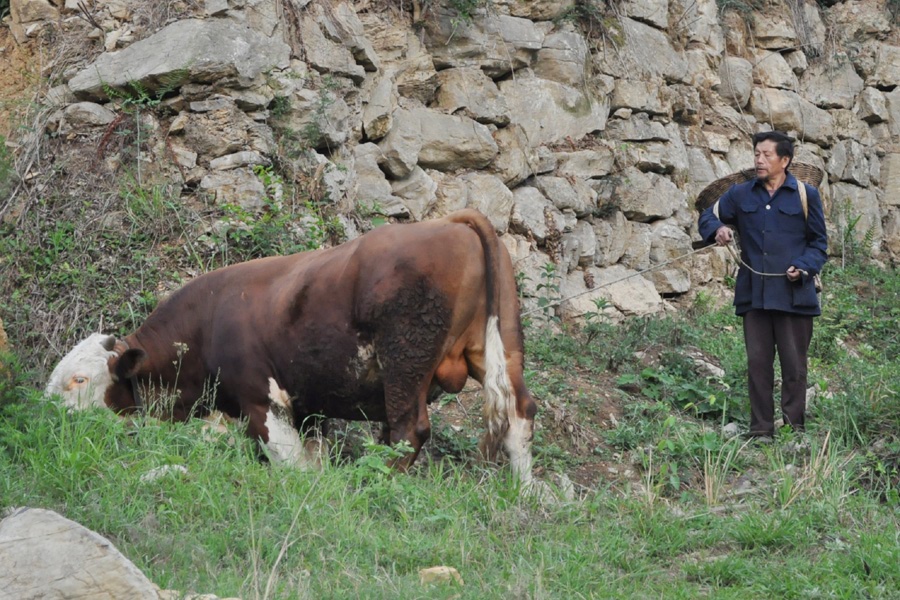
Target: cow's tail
point(504, 425)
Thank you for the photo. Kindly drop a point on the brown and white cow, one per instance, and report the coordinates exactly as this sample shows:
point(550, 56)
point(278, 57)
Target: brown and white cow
point(368, 330)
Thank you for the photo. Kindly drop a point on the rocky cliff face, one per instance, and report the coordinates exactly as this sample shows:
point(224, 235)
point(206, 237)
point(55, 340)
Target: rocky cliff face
point(583, 130)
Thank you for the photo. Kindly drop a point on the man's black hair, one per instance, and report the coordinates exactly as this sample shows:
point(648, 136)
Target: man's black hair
point(784, 144)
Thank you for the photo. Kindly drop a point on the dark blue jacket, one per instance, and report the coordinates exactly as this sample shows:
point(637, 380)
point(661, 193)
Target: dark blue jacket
point(773, 235)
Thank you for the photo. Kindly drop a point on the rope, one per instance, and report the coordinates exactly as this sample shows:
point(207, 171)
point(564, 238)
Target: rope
point(751, 269)
point(613, 282)
point(647, 270)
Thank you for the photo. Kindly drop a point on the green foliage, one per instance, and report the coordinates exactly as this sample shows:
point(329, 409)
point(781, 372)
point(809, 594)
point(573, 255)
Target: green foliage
point(679, 383)
point(744, 7)
point(856, 245)
point(466, 9)
point(548, 288)
point(135, 96)
point(311, 135)
point(13, 380)
point(274, 230)
point(597, 19)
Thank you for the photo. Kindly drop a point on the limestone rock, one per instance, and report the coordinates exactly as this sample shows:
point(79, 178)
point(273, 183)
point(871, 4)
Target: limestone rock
point(644, 197)
point(469, 92)
point(587, 164)
point(612, 233)
point(773, 29)
point(400, 147)
point(848, 163)
point(497, 44)
point(450, 142)
point(327, 56)
point(669, 242)
point(871, 106)
point(546, 10)
point(377, 114)
point(832, 84)
point(488, 194)
point(211, 50)
point(47, 556)
point(84, 114)
point(373, 191)
point(240, 187)
point(891, 180)
point(645, 53)
point(549, 111)
point(568, 193)
point(516, 159)
point(638, 95)
point(788, 111)
point(736, 75)
point(533, 215)
point(417, 192)
point(563, 58)
point(770, 69)
point(652, 12)
point(887, 66)
point(626, 291)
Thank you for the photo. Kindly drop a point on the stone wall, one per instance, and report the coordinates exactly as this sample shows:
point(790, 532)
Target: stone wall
point(586, 151)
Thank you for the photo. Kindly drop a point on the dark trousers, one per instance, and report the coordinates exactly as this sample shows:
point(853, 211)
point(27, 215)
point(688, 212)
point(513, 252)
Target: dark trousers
point(764, 332)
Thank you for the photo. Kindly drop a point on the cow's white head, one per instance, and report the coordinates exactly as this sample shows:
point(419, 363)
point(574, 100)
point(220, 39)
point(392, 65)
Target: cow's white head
point(82, 377)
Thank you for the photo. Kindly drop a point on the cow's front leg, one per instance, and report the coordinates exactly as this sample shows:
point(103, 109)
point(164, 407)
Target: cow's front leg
point(271, 422)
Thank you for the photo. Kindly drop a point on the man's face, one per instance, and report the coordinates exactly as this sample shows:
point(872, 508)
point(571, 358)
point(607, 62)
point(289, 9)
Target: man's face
point(769, 166)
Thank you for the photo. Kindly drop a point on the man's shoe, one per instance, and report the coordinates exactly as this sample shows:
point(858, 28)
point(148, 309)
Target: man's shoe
point(759, 437)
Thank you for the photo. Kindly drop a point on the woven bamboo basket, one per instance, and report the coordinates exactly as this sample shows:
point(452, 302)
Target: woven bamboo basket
point(805, 172)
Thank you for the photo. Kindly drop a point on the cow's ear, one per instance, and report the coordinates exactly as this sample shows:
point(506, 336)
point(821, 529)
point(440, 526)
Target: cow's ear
point(126, 366)
point(108, 343)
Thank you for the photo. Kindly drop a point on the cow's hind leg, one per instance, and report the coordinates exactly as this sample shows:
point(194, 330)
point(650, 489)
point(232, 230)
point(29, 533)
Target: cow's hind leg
point(408, 349)
point(407, 417)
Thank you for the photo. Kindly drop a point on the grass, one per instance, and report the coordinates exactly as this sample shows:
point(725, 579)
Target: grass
point(703, 516)
point(236, 527)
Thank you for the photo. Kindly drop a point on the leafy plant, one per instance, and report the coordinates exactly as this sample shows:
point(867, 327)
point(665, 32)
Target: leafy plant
point(855, 245)
point(134, 98)
point(597, 19)
point(550, 286)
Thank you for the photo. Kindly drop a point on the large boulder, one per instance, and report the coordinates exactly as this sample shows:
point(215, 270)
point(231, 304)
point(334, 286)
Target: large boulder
point(497, 44)
point(788, 111)
point(46, 557)
point(209, 51)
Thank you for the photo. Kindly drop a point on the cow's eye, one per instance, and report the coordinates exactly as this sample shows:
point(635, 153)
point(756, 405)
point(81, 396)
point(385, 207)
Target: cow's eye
point(79, 380)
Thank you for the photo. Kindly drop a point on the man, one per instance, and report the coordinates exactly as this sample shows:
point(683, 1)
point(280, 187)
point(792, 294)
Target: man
point(781, 250)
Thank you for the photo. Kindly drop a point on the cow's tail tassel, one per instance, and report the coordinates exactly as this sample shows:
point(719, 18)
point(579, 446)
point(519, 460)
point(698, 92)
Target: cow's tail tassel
point(503, 423)
point(497, 388)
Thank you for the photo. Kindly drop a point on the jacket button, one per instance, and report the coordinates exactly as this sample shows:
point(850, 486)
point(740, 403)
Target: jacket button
point(768, 207)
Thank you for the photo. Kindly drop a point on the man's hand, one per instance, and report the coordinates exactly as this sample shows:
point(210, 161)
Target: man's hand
point(724, 235)
point(793, 273)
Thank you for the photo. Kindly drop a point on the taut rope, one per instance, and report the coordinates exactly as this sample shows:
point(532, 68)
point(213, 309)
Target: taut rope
point(647, 270)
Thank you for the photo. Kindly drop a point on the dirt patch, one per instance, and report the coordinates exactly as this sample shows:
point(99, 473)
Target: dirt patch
point(19, 78)
point(570, 430)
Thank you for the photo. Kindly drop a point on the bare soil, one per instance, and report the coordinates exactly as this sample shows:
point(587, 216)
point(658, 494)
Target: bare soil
point(19, 77)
